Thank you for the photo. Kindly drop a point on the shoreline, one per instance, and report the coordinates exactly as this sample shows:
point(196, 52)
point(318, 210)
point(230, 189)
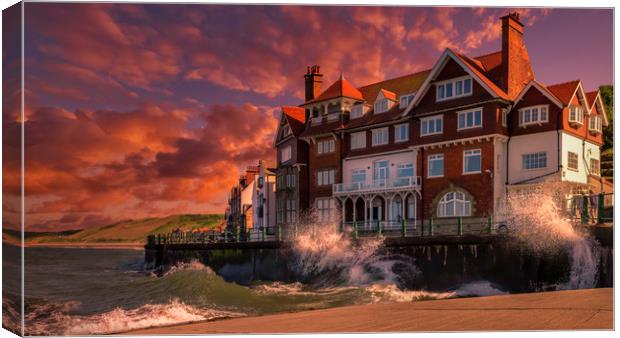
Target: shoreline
point(589, 309)
point(81, 245)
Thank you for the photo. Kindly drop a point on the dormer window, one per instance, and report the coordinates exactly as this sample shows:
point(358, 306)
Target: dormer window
point(381, 106)
point(454, 88)
point(596, 124)
point(405, 100)
point(357, 111)
point(575, 115)
point(533, 115)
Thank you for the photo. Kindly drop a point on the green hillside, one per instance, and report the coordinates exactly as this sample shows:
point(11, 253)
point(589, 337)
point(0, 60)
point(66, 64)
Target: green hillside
point(131, 231)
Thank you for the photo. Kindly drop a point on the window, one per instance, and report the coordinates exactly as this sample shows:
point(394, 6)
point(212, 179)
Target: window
point(380, 136)
point(291, 211)
point(595, 167)
point(533, 115)
point(381, 106)
point(404, 173)
point(401, 132)
point(595, 124)
point(431, 125)
point(290, 180)
point(505, 117)
point(325, 177)
point(472, 161)
point(575, 115)
point(325, 147)
point(358, 176)
point(285, 154)
point(286, 130)
point(454, 204)
point(405, 100)
point(534, 160)
point(435, 165)
point(357, 111)
point(380, 172)
point(470, 119)
point(324, 207)
point(358, 140)
point(454, 88)
point(573, 161)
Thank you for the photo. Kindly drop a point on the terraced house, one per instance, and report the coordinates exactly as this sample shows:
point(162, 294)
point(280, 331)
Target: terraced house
point(446, 142)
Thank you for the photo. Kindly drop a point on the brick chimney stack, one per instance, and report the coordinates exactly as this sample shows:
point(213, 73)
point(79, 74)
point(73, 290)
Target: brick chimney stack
point(314, 82)
point(516, 67)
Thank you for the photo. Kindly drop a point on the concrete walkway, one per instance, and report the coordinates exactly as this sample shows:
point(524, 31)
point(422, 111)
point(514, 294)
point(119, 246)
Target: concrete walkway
point(560, 310)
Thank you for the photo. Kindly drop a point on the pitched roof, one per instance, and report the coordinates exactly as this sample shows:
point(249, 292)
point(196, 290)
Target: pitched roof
point(339, 88)
point(564, 91)
point(319, 129)
point(400, 85)
point(591, 96)
point(478, 68)
point(388, 94)
point(296, 118)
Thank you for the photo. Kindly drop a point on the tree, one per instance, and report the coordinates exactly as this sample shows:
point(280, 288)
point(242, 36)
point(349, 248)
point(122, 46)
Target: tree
point(607, 94)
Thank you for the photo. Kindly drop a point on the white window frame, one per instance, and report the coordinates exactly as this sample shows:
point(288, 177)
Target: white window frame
point(595, 170)
point(529, 113)
point(286, 154)
point(358, 172)
point(505, 117)
point(473, 118)
point(397, 133)
point(325, 177)
point(381, 106)
point(427, 120)
point(577, 111)
point(461, 205)
point(471, 153)
point(326, 146)
point(385, 136)
point(595, 124)
point(568, 161)
point(357, 111)
point(432, 158)
point(325, 208)
point(356, 137)
point(405, 100)
point(537, 160)
point(441, 86)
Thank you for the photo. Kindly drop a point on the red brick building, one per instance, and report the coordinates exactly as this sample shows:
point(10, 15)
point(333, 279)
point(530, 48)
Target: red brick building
point(449, 141)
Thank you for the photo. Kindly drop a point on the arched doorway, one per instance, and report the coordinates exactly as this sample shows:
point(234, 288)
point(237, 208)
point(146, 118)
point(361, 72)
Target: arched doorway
point(410, 207)
point(348, 210)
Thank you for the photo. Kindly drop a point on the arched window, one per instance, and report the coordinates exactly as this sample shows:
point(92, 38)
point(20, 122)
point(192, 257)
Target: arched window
point(454, 204)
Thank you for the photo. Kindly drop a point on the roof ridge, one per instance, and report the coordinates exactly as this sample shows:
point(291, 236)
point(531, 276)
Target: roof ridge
point(395, 78)
point(563, 83)
point(481, 56)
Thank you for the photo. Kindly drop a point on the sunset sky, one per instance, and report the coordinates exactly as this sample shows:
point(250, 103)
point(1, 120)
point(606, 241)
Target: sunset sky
point(149, 110)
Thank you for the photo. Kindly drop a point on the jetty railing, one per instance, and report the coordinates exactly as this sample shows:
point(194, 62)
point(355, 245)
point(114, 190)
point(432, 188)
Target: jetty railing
point(456, 226)
point(591, 208)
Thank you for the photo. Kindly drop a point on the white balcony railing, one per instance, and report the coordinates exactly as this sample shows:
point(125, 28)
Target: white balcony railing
point(397, 183)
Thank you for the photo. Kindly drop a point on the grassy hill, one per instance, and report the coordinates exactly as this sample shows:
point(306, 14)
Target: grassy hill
point(131, 231)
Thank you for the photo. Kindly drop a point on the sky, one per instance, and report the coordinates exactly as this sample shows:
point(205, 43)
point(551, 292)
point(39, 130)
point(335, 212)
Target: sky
point(149, 110)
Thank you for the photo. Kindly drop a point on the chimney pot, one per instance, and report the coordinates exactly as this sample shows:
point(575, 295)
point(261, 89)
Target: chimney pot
point(313, 82)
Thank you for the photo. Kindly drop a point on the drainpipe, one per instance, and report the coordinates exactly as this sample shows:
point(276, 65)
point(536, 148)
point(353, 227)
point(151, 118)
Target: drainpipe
point(422, 170)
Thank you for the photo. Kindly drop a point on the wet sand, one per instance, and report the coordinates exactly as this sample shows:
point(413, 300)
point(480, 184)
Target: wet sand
point(560, 310)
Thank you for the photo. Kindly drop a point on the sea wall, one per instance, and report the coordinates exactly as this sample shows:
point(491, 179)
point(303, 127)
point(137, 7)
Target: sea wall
point(439, 263)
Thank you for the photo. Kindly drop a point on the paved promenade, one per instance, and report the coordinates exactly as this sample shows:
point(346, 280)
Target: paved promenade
point(560, 310)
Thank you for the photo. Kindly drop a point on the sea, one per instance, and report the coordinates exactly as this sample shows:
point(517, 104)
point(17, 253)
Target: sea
point(89, 291)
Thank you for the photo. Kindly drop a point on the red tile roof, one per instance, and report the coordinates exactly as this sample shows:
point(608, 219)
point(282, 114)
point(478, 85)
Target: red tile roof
point(319, 129)
point(339, 88)
point(388, 94)
point(591, 96)
point(400, 85)
point(296, 118)
point(477, 67)
point(564, 91)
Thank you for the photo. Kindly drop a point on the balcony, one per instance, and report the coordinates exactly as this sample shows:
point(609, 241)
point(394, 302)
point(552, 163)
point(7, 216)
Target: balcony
point(381, 185)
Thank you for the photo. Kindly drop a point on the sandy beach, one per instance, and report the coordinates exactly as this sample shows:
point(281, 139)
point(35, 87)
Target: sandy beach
point(560, 310)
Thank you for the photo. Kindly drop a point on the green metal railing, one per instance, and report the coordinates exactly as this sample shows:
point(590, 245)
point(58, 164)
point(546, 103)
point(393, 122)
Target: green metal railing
point(591, 208)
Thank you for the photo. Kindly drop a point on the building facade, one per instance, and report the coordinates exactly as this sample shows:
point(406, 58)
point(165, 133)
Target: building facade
point(450, 141)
